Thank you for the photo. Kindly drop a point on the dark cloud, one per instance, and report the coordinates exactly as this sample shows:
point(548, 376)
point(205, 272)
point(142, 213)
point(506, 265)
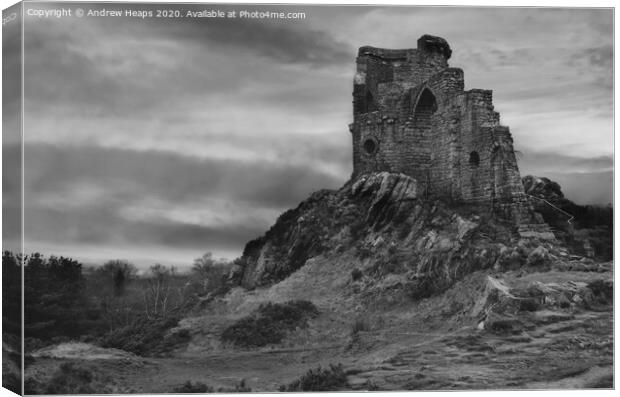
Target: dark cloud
point(102, 226)
point(601, 57)
point(69, 76)
point(171, 177)
point(282, 42)
point(11, 171)
point(89, 195)
point(95, 71)
point(596, 62)
point(11, 191)
point(79, 83)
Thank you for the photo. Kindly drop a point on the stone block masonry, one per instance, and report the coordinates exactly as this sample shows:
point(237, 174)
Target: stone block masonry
point(411, 115)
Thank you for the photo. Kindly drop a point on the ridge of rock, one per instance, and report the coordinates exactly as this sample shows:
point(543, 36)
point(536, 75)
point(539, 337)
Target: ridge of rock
point(380, 219)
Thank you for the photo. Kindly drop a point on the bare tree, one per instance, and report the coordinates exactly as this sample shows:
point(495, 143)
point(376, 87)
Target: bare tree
point(210, 272)
point(158, 292)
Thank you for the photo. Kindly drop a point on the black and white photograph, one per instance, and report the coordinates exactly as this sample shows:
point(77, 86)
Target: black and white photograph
point(261, 198)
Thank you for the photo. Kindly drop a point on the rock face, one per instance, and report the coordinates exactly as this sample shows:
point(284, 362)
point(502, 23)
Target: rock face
point(543, 188)
point(585, 228)
point(381, 219)
point(502, 308)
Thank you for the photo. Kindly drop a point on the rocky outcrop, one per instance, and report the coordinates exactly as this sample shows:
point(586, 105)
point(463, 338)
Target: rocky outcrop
point(324, 221)
point(585, 229)
point(380, 219)
point(543, 188)
point(504, 308)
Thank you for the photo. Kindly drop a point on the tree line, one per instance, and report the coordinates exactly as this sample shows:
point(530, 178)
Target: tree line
point(66, 301)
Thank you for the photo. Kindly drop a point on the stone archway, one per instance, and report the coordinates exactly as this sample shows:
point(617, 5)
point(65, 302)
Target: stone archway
point(425, 106)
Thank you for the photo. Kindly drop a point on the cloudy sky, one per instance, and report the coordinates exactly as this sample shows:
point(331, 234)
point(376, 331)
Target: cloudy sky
point(158, 140)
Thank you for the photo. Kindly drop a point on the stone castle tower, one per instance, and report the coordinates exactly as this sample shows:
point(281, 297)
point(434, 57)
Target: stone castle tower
point(413, 116)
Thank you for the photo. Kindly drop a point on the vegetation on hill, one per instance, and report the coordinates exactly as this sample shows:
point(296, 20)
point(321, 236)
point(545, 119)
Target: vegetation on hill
point(111, 305)
point(70, 379)
point(319, 379)
point(11, 322)
point(269, 324)
point(55, 299)
point(586, 229)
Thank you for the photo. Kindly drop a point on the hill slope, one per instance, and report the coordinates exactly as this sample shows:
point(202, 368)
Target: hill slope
point(381, 220)
point(410, 294)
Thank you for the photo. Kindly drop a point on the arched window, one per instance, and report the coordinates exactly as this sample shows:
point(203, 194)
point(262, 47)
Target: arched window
point(474, 159)
point(424, 109)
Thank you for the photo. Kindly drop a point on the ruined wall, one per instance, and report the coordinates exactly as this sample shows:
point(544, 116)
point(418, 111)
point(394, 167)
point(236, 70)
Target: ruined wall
point(412, 115)
point(404, 68)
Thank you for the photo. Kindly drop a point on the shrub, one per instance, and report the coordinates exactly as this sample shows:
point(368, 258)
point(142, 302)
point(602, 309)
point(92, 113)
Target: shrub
point(291, 311)
point(371, 386)
point(145, 337)
point(69, 379)
point(356, 274)
point(189, 387)
point(537, 257)
point(603, 290)
point(269, 324)
point(503, 326)
point(320, 379)
point(528, 305)
point(421, 288)
point(253, 332)
point(240, 387)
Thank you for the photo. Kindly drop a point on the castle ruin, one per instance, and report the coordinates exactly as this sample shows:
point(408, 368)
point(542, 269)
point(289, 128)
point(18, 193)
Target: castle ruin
point(413, 116)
